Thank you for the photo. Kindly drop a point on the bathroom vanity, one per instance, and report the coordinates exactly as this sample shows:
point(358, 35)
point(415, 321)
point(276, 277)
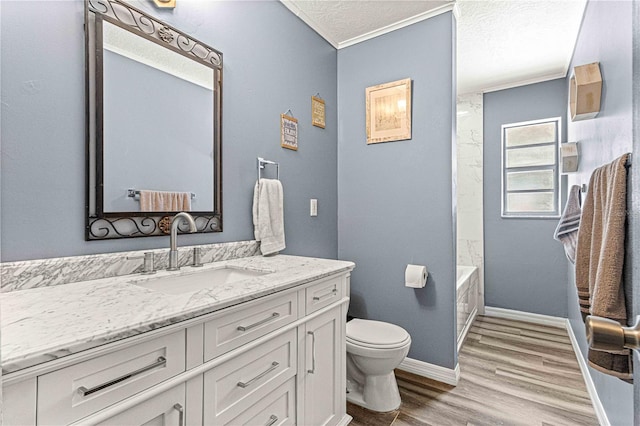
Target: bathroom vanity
point(267, 348)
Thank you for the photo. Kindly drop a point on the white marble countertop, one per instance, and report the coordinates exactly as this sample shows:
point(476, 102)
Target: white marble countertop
point(43, 324)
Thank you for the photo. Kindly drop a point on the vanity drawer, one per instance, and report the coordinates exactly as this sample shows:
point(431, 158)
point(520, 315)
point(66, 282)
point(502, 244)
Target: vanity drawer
point(323, 294)
point(166, 409)
point(276, 409)
point(247, 323)
point(73, 392)
point(246, 379)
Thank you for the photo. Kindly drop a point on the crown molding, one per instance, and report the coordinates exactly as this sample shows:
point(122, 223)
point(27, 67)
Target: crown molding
point(371, 34)
point(511, 85)
point(310, 22)
point(397, 25)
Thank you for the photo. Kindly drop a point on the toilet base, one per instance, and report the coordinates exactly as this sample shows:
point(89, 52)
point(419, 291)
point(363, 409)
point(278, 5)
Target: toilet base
point(379, 393)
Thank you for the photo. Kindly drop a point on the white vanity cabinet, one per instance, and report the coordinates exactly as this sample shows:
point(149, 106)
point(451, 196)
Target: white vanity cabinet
point(276, 360)
point(324, 377)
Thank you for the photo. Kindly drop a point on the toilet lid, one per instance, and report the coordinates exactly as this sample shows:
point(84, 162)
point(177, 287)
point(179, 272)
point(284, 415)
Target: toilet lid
point(375, 333)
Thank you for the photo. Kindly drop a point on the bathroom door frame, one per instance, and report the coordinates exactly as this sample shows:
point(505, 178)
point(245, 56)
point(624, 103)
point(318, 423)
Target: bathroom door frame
point(634, 209)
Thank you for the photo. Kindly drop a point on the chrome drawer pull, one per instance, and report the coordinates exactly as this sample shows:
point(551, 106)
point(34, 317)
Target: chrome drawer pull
point(274, 365)
point(180, 410)
point(84, 391)
point(331, 294)
point(255, 324)
point(272, 420)
point(313, 353)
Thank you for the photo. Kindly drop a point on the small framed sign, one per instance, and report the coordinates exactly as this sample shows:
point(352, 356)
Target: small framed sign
point(317, 112)
point(288, 132)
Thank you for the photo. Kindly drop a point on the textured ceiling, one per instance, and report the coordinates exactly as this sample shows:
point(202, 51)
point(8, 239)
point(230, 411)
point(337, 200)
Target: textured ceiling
point(500, 43)
point(508, 43)
point(341, 21)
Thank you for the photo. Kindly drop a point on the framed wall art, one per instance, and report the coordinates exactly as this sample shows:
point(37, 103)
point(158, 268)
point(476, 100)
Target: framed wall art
point(288, 132)
point(389, 111)
point(317, 112)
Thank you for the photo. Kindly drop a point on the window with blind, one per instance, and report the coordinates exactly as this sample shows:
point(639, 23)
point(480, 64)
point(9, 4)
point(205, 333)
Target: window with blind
point(530, 171)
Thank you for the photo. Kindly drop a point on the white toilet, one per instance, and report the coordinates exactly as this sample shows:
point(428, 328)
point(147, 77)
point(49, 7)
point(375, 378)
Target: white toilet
point(374, 349)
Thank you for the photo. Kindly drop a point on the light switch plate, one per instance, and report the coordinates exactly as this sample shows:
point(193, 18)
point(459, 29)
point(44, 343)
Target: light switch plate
point(313, 207)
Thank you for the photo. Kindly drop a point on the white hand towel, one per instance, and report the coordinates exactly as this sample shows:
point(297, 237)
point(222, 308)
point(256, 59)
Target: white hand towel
point(268, 216)
point(567, 229)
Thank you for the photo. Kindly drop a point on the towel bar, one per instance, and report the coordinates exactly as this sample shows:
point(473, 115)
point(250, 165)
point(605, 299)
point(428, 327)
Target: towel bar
point(133, 192)
point(262, 162)
point(604, 334)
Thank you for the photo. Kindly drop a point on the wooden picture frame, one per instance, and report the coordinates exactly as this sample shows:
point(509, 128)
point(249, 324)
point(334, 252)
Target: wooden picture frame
point(389, 111)
point(318, 112)
point(288, 132)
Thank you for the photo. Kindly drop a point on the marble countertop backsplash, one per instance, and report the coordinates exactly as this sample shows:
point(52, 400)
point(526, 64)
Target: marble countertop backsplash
point(28, 274)
point(48, 322)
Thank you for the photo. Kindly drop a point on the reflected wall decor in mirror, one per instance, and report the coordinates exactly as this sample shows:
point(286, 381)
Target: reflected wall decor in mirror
point(154, 98)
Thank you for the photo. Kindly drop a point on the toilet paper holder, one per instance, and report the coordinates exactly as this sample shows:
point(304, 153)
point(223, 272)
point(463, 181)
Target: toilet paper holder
point(415, 276)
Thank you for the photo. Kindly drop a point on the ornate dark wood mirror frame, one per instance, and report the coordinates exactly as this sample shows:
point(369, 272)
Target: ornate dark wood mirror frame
point(102, 225)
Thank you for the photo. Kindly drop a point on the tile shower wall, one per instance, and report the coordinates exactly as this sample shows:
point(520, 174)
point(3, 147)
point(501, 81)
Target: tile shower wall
point(470, 235)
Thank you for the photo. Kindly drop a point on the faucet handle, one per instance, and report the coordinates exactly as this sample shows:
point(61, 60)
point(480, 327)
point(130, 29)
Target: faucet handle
point(197, 257)
point(148, 265)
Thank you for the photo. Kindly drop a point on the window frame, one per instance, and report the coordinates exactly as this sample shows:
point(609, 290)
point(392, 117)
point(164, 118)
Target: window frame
point(555, 167)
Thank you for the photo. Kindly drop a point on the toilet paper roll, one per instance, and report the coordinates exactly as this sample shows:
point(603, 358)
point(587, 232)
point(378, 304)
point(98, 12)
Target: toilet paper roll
point(415, 276)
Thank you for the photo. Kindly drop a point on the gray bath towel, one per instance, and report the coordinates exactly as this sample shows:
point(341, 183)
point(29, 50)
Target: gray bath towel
point(567, 229)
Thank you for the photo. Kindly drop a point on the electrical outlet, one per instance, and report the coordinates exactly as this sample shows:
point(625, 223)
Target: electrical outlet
point(313, 207)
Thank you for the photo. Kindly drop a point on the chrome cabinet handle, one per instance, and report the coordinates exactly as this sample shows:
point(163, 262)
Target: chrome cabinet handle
point(330, 294)
point(272, 420)
point(84, 391)
point(180, 410)
point(313, 353)
point(255, 324)
point(274, 365)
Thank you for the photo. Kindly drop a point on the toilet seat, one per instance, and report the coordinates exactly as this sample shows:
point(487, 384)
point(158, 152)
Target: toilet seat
point(376, 334)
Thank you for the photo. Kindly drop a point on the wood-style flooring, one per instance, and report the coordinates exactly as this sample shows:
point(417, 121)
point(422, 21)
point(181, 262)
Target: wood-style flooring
point(511, 373)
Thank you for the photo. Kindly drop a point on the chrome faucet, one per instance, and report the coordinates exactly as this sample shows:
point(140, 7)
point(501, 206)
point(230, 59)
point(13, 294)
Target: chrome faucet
point(173, 252)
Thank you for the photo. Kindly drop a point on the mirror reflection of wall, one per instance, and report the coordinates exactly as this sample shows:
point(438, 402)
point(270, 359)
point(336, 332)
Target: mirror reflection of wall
point(158, 122)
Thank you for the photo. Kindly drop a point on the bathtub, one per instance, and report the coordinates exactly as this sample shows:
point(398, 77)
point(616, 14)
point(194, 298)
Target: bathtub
point(467, 299)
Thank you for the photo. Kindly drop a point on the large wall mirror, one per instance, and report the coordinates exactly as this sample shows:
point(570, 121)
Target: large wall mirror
point(154, 97)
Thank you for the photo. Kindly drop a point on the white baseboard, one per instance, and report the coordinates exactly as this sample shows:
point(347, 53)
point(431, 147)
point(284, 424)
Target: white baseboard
point(566, 324)
point(591, 388)
point(431, 371)
point(525, 316)
point(345, 420)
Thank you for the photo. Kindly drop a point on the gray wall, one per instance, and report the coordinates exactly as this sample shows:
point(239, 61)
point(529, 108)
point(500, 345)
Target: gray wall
point(146, 150)
point(525, 268)
point(272, 62)
point(605, 36)
point(395, 198)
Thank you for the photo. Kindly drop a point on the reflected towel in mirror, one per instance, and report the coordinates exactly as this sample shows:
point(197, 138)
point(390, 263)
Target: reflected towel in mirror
point(165, 201)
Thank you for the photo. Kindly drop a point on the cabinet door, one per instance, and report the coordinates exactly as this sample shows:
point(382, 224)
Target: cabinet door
point(323, 369)
point(166, 409)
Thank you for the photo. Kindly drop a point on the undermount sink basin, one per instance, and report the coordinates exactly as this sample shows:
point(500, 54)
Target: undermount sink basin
point(197, 279)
